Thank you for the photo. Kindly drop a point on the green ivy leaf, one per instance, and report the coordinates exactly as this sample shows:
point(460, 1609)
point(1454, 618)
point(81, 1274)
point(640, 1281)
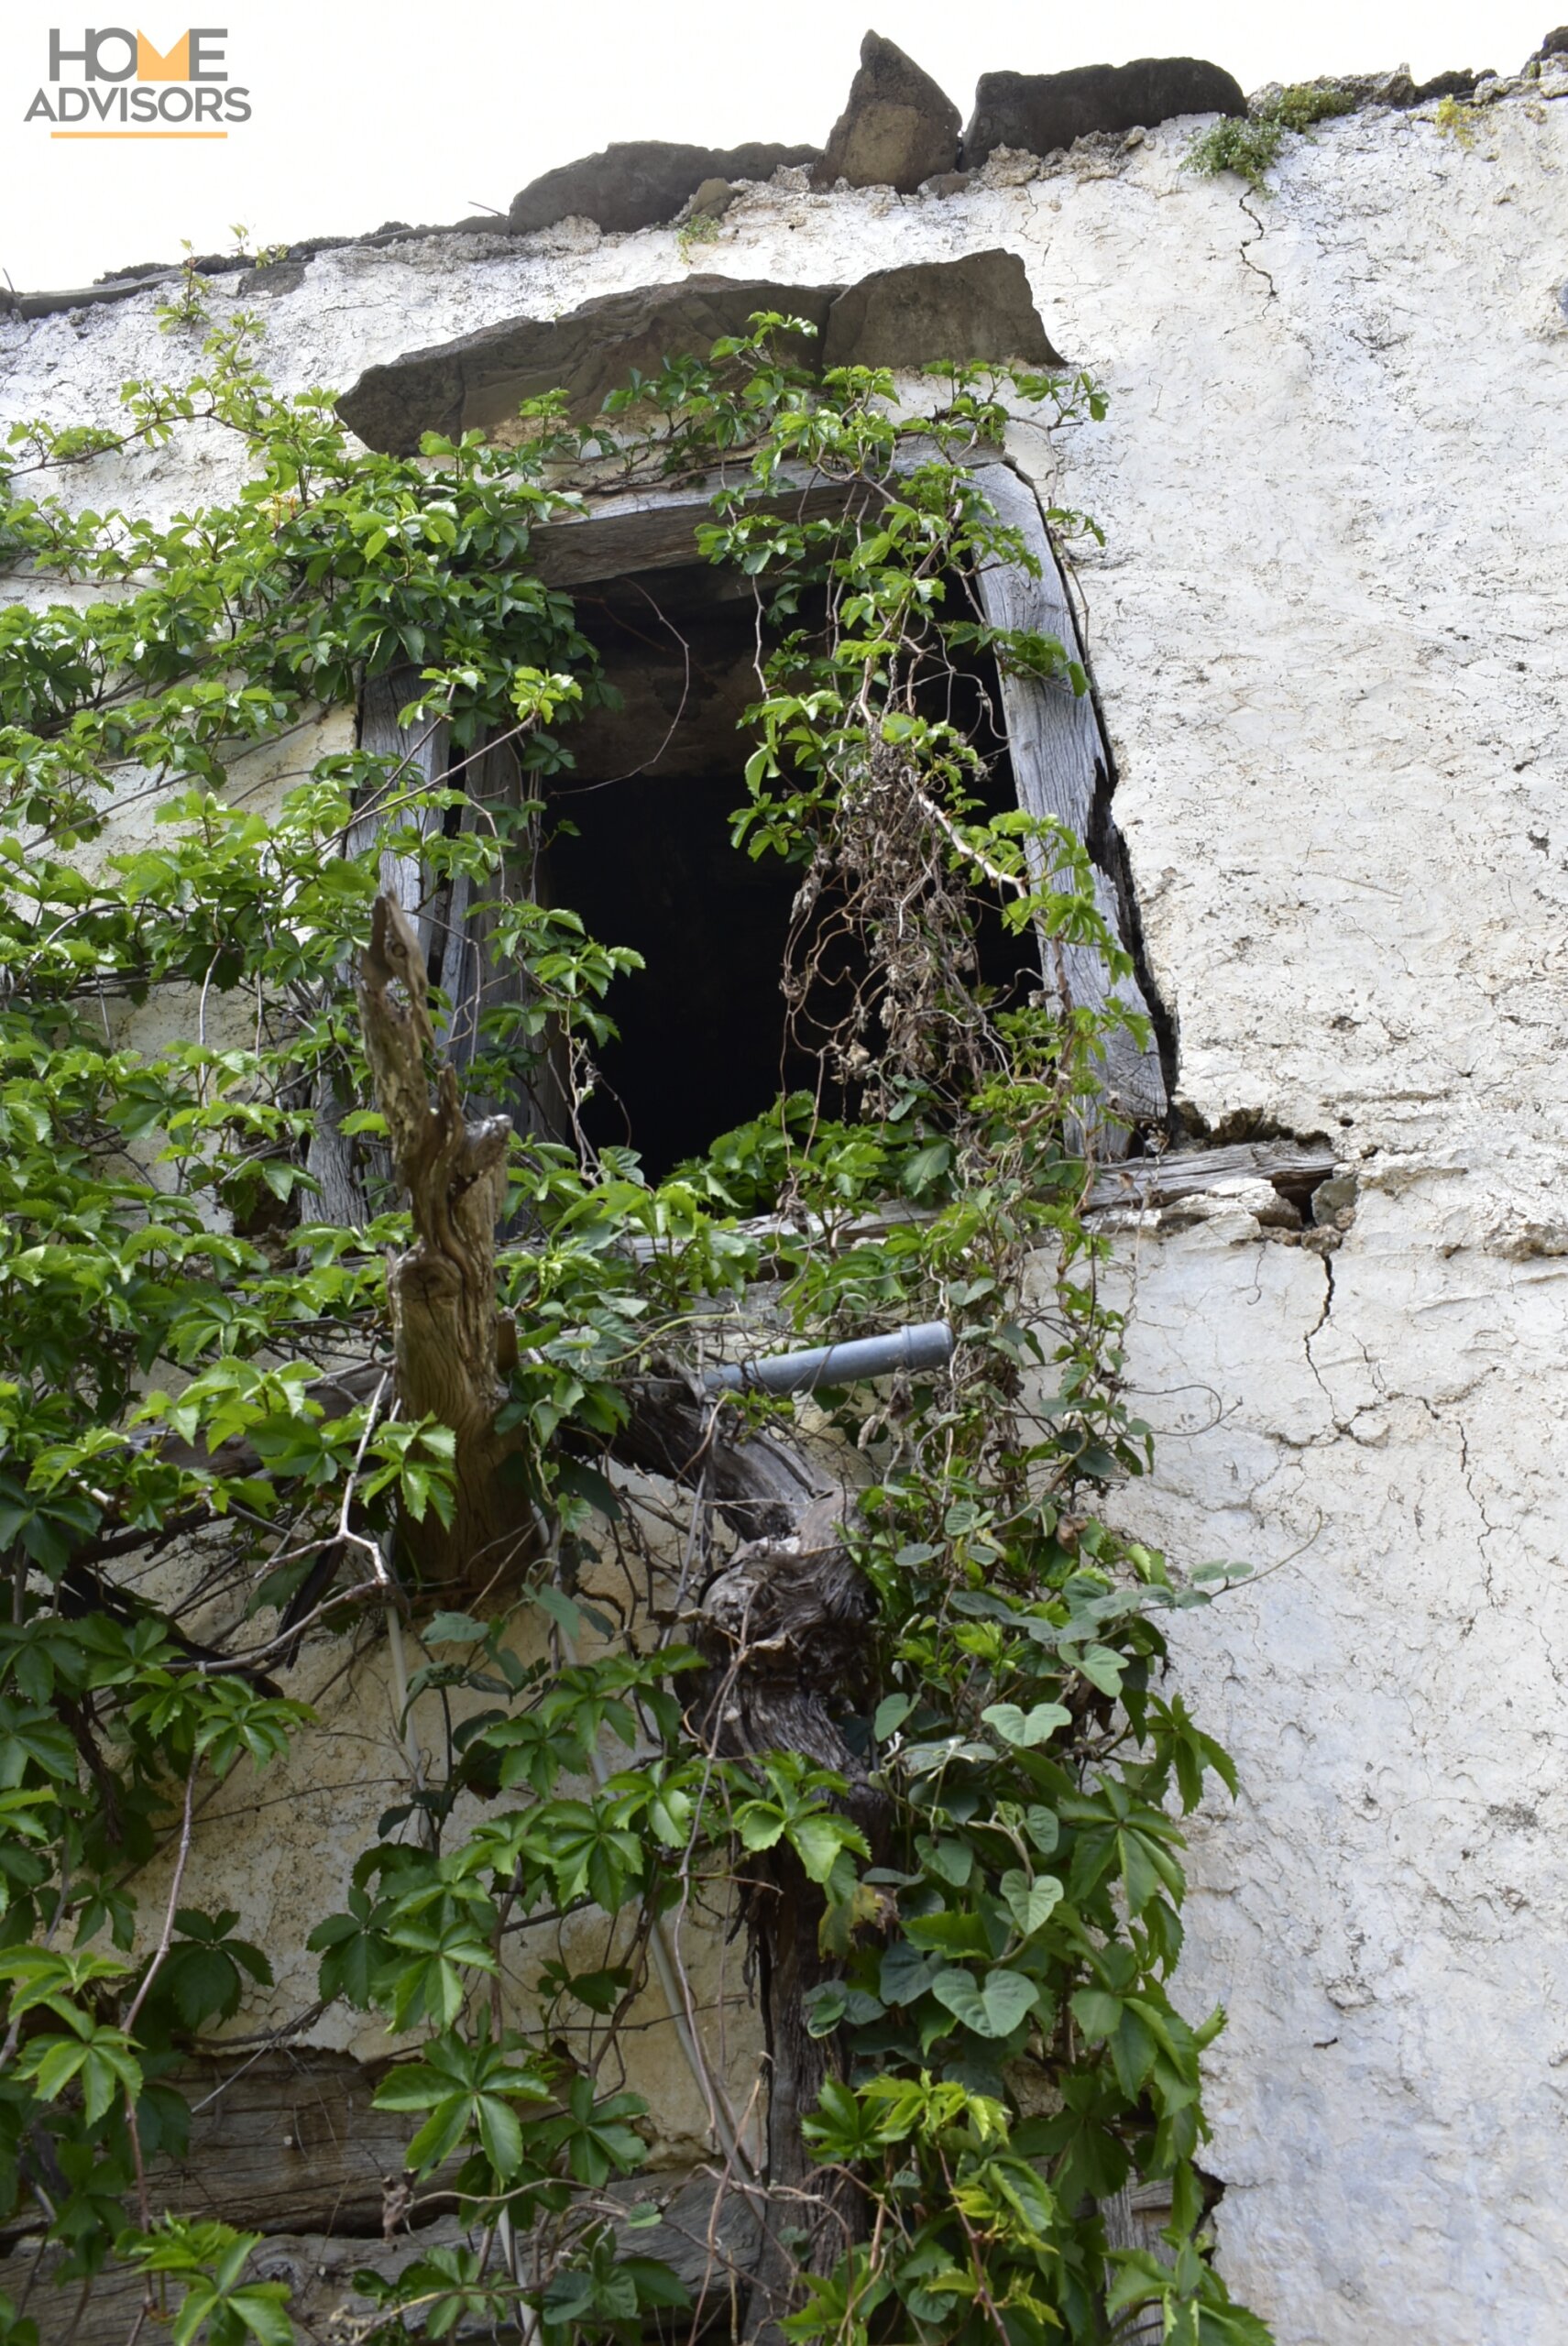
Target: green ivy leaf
point(1030, 1903)
point(891, 1714)
point(993, 2006)
point(1024, 1728)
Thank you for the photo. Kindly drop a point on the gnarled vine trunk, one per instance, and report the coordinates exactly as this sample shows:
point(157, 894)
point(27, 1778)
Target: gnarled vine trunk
point(783, 1627)
point(441, 1292)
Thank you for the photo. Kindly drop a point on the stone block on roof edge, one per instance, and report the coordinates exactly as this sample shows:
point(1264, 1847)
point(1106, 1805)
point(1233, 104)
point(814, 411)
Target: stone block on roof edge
point(897, 128)
point(641, 182)
point(1460, 83)
point(975, 308)
point(1040, 112)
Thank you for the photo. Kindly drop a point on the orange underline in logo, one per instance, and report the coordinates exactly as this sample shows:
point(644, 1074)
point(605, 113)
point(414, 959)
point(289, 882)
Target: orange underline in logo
point(138, 134)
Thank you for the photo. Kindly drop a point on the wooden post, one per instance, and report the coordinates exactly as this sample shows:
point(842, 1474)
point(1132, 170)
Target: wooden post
point(1059, 762)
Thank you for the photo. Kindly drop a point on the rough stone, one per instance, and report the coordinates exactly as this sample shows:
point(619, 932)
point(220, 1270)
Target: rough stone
point(979, 307)
point(897, 128)
point(478, 381)
point(641, 183)
point(279, 277)
point(947, 183)
point(1461, 83)
point(1044, 111)
point(1397, 88)
point(711, 200)
point(136, 269)
point(976, 307)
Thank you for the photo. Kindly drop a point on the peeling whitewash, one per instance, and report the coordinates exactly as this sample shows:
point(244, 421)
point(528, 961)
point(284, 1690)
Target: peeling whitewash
point(1327, 629)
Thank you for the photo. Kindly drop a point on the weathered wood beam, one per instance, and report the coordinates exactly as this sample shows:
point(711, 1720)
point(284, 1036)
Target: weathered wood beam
point(1294, 1168)
point(707, 2236)
point(415, 757)
point(656, 529)
point(1059, 765)
point(477, 979)
point(287, 2140)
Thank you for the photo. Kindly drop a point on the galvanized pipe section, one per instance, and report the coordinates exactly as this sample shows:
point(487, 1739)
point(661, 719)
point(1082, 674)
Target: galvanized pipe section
point(929, 1345)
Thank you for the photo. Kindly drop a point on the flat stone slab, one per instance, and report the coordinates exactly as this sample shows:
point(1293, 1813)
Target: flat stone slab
point(641, 182)
point(1040, 112)
point(479, 380)
point(976, 308)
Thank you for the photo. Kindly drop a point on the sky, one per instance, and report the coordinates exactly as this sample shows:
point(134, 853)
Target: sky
point(364, 111)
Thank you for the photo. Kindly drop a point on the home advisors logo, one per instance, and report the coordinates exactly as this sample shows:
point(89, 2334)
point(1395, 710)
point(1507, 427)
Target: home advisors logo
point(122, 86)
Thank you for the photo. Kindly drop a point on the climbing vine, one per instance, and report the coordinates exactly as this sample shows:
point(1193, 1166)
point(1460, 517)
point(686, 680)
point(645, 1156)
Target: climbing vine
point(895, 1704)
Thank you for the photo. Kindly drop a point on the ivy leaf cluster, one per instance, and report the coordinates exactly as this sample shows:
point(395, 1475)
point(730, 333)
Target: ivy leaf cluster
point(198, 1391)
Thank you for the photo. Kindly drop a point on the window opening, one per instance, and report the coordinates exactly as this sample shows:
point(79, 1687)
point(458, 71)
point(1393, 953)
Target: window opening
point(639, 846)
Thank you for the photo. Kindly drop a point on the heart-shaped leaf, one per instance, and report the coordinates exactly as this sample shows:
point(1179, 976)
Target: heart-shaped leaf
point(946, 1856)
point(1043, 1829)
point(825, 2008)
point(1096, 2012)
point(991, 2007)
point(1025, 1728)
point(1102, 1667)
point(1030, 1903)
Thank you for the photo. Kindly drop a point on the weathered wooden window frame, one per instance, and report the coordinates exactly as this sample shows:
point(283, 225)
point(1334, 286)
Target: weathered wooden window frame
point(1059, 758)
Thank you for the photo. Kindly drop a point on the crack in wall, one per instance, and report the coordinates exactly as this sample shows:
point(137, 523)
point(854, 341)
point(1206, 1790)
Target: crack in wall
point(1487, 1526)
point(1344, 1429)
point(1244, 248)
point(1315, 1331)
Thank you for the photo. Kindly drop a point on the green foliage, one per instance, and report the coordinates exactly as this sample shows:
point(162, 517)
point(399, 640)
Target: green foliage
point(1250, 144)
point(1457, 121)
point(205, 2262)
point(170, 1300)
point(702, 228)
point(1306, 102)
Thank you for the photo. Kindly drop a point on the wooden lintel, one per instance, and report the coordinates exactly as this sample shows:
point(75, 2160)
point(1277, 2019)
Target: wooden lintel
point(656, 529)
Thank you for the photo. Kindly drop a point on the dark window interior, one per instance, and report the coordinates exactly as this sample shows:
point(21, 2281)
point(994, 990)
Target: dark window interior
point(703, 1044)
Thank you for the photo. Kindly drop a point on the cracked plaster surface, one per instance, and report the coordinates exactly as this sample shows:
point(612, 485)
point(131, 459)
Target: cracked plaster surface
point(1326, 631)
point(1382, 1912)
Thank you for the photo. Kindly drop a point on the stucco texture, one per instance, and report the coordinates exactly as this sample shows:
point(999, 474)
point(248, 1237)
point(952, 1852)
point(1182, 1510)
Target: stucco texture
point(1326, 631)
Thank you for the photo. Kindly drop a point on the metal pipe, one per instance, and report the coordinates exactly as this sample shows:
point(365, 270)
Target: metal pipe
point(929, 1345)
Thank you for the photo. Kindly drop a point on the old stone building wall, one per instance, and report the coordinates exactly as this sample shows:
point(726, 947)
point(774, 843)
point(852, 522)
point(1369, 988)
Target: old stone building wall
point(1326, 632)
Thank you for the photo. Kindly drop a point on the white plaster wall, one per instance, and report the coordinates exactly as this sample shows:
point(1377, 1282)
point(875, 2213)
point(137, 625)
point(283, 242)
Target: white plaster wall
point(1327, 631)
